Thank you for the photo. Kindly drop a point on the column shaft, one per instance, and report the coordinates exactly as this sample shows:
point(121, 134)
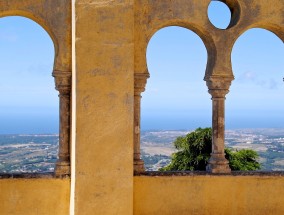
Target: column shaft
point(218, 88)
point(218, 125)
point(63, 85)
point(137, 102)
point(138, 162)
point(140, 80)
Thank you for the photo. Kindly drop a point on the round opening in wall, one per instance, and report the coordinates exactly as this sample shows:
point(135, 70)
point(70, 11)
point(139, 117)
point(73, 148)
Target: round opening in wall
point(219, 14)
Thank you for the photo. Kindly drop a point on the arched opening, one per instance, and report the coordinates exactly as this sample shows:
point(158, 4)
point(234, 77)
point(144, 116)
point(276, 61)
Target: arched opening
point(176, 100)
point(254, 110)
point(29, 105)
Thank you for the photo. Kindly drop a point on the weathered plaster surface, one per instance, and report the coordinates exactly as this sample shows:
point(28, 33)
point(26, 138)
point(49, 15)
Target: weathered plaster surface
point(34, 196)
point(209, 195)
point(105, 89)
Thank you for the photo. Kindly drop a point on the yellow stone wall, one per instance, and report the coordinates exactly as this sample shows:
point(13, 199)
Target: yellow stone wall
point(200, 195)
point(209, 195)
point(34, 196)
point(104, 122)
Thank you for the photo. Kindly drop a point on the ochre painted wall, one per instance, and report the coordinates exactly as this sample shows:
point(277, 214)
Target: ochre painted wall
point(34, 196)
point(209, 195)
point(104, 123)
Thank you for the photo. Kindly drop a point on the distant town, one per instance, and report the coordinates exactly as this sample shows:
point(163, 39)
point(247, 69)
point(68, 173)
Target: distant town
point(28, 153)
point(38, 153)
point(157, 146)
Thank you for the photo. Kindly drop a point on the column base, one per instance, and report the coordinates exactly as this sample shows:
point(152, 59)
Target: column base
point(139, 166)
point(218, 164)
point(62, 168)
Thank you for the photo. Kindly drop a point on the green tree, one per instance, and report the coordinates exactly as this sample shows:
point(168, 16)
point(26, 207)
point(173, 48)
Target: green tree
point(244, 160)
point(194, 152)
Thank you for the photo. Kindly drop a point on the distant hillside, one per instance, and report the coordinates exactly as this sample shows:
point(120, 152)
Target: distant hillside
point(38, 153)
point(269, 144)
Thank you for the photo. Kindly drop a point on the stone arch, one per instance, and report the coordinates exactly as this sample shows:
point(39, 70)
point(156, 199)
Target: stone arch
point(153, 16)
point(141, 78)
point(54, 17)
point(254, 75)
point(38, 21)
point(276, 30)
point(199, 31)
point(57, 23)
point(28, 54)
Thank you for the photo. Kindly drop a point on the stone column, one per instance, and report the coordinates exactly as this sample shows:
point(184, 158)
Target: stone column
point(63, 85)
point(139, 87)
point(218, 88)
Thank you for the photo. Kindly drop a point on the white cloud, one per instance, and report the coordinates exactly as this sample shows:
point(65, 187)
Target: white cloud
point(254, 78)
point(248, 76)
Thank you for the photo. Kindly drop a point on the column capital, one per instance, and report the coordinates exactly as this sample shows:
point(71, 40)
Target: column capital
point(63, 80)
point(140, 80)
point(218, 87)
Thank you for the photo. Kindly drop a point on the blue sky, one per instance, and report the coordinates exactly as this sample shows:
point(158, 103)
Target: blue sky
point(176, 96)
point(29, 102)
